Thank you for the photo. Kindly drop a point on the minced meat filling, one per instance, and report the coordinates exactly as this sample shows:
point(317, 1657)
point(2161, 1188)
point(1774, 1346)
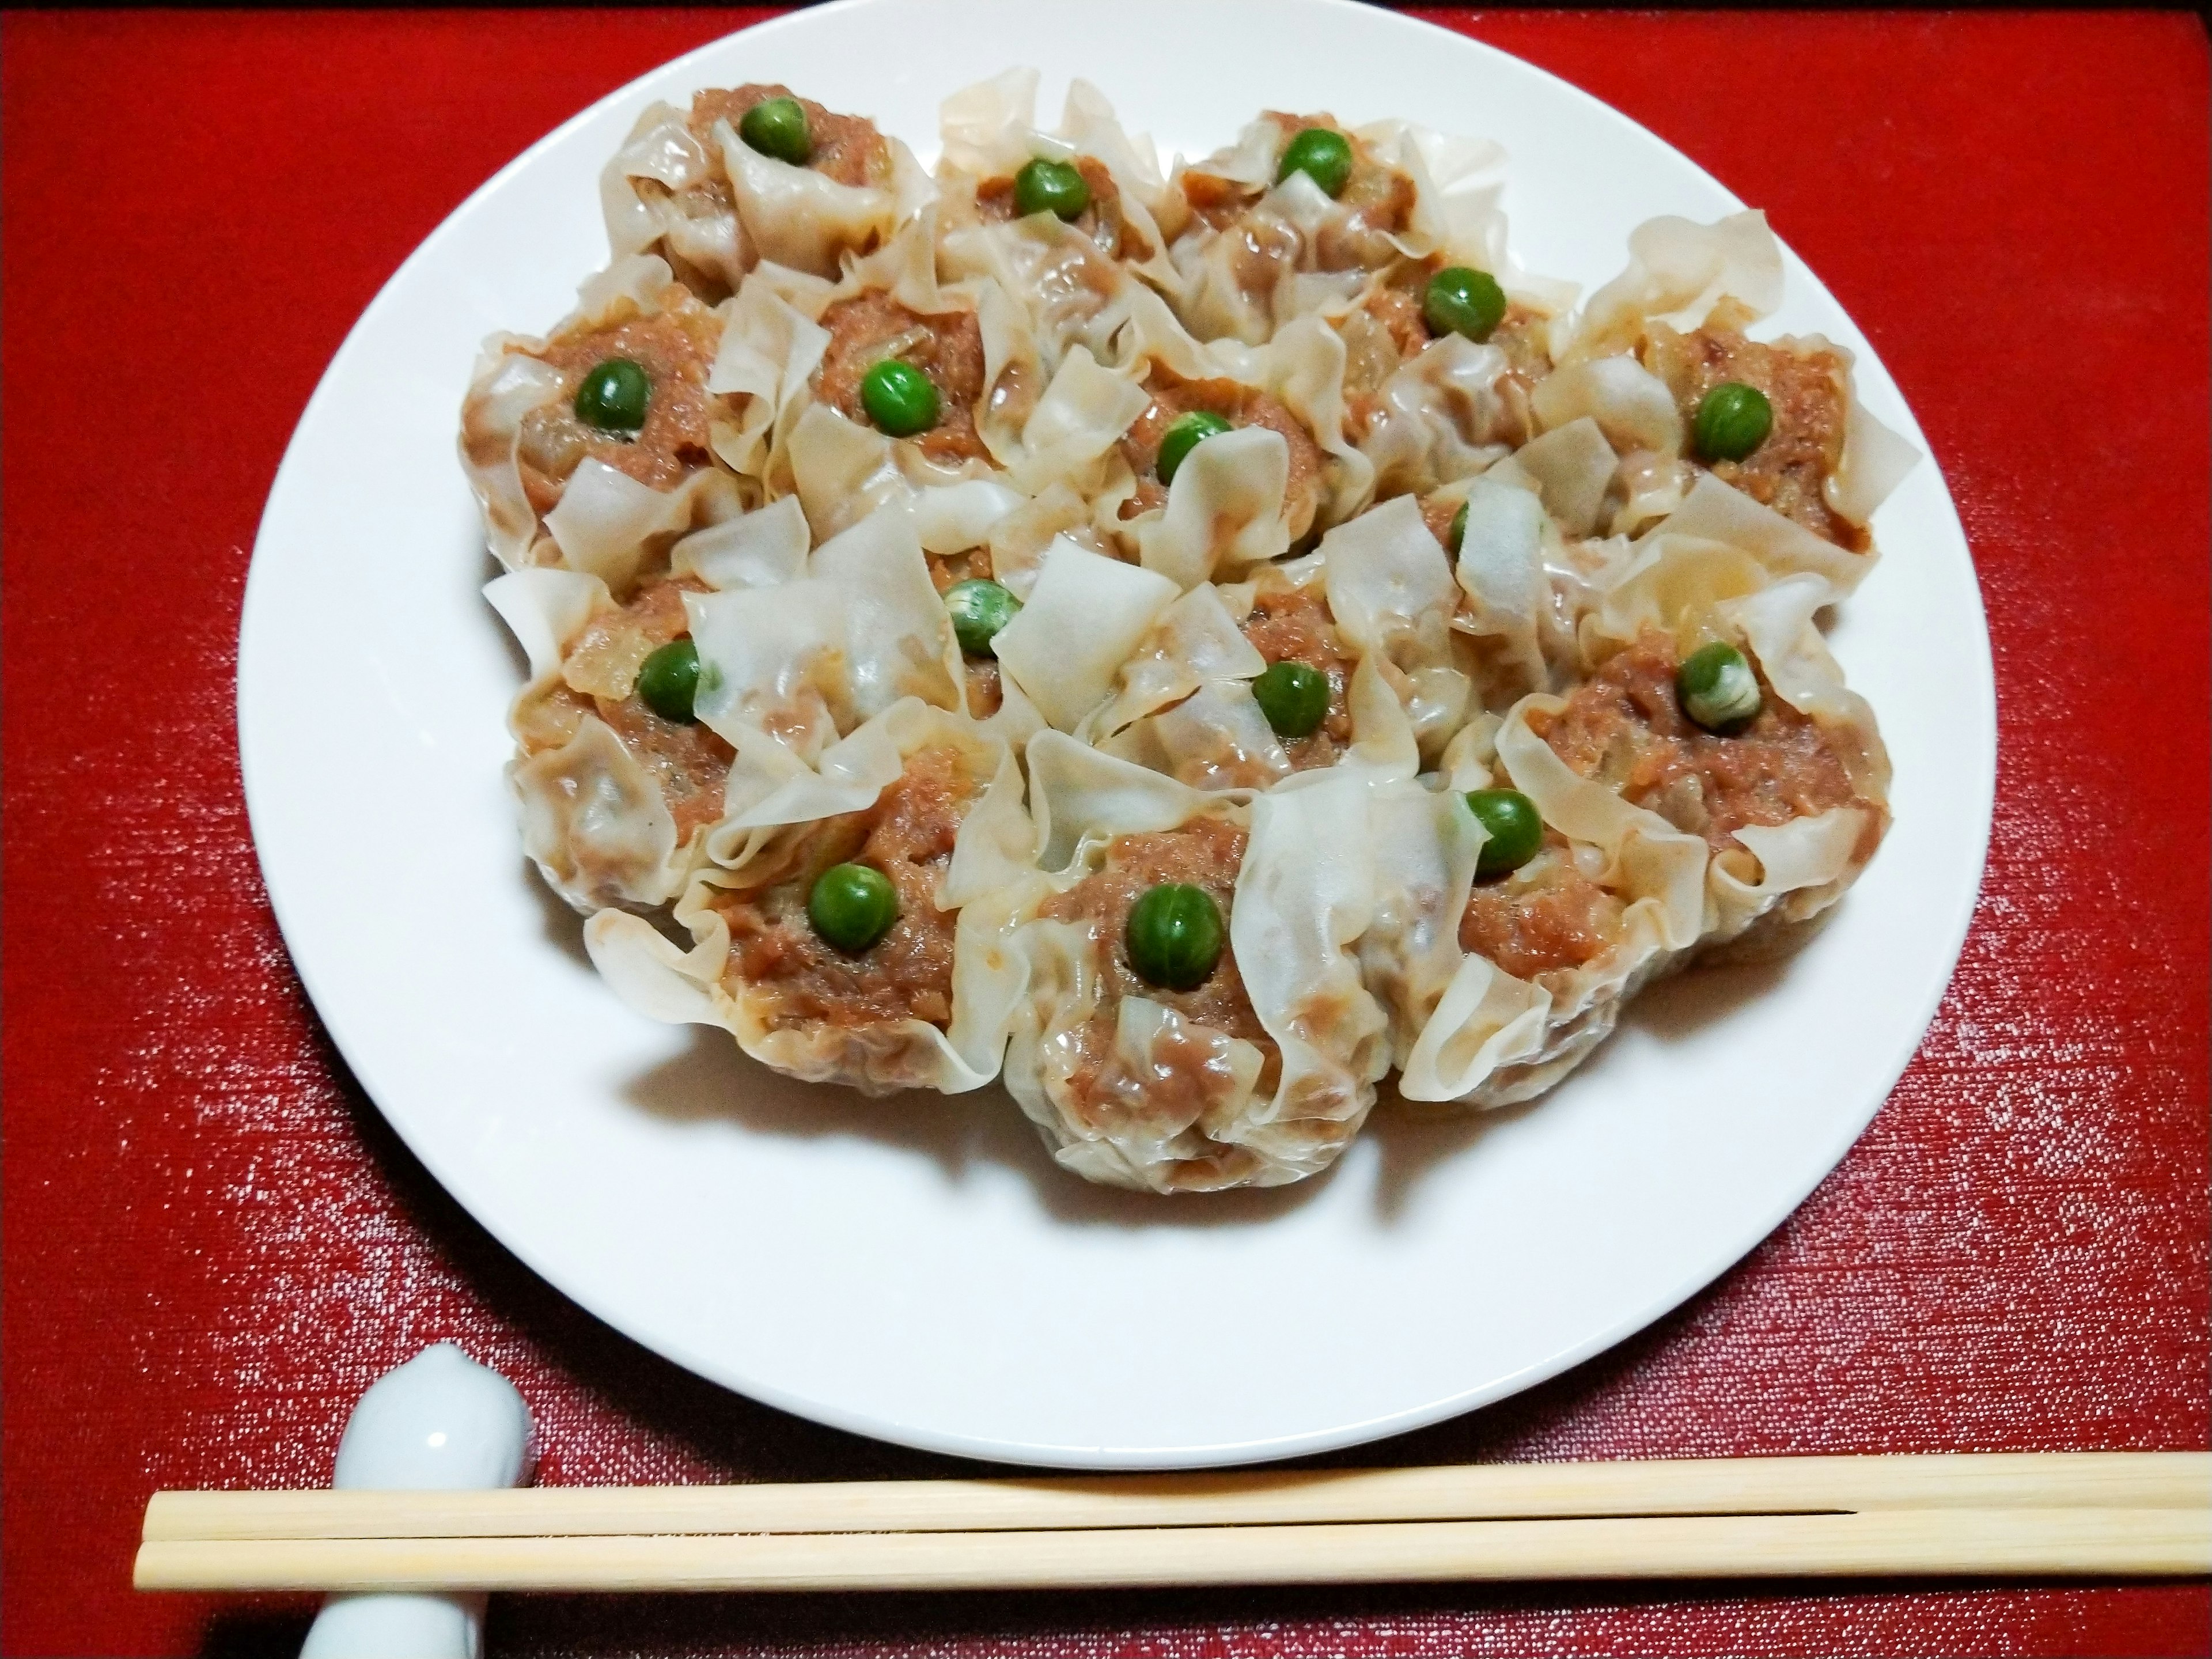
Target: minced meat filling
point(947, 347)
point(907, 975)
point(848, 149)
point(1103, 221)
point(1624, 728)
point(1291, 625)
point(1375, 203)
point(1207, 852)
point(1544, 916)
point(1387, 330)
point(675, 346)
point(1806, 389)
point(606, 654)
point(1238, 405)
point(689, 764)
point(1186, 1076)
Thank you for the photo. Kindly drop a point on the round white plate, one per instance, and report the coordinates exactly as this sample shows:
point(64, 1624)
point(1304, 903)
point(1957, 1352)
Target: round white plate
point(917, 1269)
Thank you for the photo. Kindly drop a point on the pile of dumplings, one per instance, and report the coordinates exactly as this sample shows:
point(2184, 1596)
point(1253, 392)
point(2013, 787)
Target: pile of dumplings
point(1188, 643)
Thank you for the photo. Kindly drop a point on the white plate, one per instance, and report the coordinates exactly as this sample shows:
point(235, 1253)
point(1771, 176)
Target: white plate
point(917, 1269)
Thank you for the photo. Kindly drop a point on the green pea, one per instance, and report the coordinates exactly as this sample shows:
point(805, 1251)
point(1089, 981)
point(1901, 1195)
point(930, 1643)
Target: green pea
point(1717, 690)
point(614, 396)
point(1184, 434)
point(778, 128)
point(1175, 936)
point(1293, 696)
point(1457, 534)
point(1054, 187)
point(1733, 421)
point(980, 609)
point(1516, 829)
point(852, 906)
point(669, 682)
point(1462, 300)
point(899, 398)
point(1323, 156)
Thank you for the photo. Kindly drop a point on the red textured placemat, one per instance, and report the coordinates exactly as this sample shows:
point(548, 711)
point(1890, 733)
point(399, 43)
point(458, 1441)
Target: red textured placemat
point(212, 1243)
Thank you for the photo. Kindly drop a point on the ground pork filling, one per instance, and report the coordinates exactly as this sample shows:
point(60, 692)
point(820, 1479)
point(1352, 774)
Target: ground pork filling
point(1544, 916)
point(1806, 389)
point(847, 149)
point(1190, 1076)
point(1102, 221)
point(908, 834)
point(1387, 330)
point(1238, 405)
point(1293, 625)
point(947, 347)
point(676, 348)
point(689, 764)
point(1625, 728)
point(987, 692)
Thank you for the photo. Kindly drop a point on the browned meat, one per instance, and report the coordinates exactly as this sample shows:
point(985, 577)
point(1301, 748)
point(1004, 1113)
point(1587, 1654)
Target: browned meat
point(1806, 389)
point(848, 149)
point(907, 975)
point(947, 347)
point(676, 348)
point(1624, 728)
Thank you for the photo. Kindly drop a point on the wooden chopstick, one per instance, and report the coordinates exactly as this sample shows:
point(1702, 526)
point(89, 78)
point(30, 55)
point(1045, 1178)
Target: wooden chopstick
point(2136, 1542)
point(2097, 1513)
point(1749, 1486)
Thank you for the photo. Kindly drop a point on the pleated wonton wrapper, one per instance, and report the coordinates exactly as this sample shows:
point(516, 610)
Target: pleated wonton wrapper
point(616, 802)
point(1075, 273)
point(1678, 312)
point(1262, 1074)
point(1497, 990)
point(686, 186)
point(1252, 253)
point(556, 491)
point(916, 793)
point(1791, 806)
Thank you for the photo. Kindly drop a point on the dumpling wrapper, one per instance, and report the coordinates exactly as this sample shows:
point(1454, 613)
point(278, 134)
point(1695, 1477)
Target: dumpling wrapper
point(984, 880)
point(1302, 897)
point(1392, 592)
point(1083, 619)
point(593, 819)
point(1796, 871)
point(1678, 270)
point(1224, 508)
point(800, 218)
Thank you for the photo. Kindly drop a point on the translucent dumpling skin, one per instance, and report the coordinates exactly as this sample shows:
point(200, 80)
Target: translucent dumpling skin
point(1210, 644)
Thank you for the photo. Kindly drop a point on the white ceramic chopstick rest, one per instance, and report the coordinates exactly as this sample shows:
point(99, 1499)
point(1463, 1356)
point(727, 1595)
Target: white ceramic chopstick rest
point(439, 1423)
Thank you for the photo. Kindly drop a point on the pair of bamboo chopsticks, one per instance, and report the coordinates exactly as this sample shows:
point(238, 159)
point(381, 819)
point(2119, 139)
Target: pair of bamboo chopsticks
point(2100, 1513)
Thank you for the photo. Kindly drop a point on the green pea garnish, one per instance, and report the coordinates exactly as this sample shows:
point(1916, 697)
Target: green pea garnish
point(1053, 187)
point(1175, 936)
point(1293, 696)
point(669, 682)
point(1323, 156)
point(1184, 434)
point(1717, 690)
point(1733, 421)
point(1457, 534)
point(1460, 300)
point(852, 906)
point(980, 608)
point(1516, 829)
point(899, 399)
point(614, 396)
point(777, 129)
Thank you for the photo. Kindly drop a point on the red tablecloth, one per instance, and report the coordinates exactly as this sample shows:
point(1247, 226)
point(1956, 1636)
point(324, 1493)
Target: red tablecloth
point(212, 1242)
